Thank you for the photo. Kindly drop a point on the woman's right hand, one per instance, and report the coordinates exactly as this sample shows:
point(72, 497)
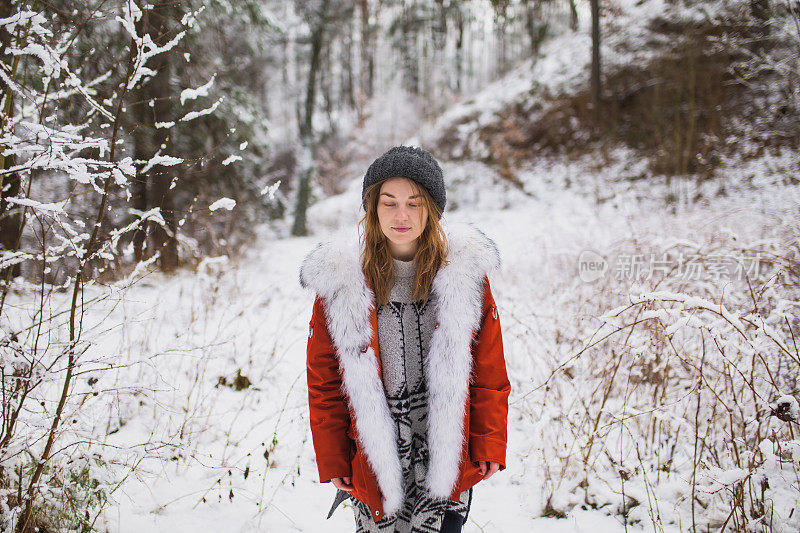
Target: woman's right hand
point(343, 483)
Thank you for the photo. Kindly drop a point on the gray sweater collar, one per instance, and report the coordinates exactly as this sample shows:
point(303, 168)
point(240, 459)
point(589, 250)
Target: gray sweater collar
point(403, 269)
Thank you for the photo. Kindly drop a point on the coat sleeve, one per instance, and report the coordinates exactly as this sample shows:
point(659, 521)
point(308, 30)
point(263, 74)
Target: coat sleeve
point(489, 388)
point(327, 405)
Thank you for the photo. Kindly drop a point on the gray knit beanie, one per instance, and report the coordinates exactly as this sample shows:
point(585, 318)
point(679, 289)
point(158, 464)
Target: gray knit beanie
point(408, 162)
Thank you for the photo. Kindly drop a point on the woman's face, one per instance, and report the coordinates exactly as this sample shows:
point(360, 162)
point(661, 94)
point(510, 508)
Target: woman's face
point(402, 216)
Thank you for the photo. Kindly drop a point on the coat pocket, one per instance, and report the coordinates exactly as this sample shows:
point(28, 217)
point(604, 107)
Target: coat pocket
point(357, 466)
point(470, 472)
point(359, 481)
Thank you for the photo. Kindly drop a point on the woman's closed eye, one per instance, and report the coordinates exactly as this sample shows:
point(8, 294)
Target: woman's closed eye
point(393, 205)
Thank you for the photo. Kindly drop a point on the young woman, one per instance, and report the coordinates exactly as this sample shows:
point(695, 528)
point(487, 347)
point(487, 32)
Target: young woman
point(407, 383)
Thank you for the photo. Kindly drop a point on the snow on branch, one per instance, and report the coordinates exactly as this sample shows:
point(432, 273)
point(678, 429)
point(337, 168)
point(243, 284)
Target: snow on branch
point(11, 258)
point(163, 160)
point(146, 49)
point(56, 208)
point(223, 203)
point(270, 190)
point(152, 214)
point(192, 94)
point(195, 114)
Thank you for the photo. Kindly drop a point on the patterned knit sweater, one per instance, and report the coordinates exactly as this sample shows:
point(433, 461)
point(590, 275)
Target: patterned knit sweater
point(404, 332)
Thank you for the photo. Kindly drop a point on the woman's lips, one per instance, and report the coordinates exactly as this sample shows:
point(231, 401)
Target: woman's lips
point(401, 230)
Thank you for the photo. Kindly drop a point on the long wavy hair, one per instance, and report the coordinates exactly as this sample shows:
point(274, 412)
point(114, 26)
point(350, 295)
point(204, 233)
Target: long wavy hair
point(376, 260)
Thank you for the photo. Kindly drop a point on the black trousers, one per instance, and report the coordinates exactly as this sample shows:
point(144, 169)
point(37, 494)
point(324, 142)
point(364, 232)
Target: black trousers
point(452, 523)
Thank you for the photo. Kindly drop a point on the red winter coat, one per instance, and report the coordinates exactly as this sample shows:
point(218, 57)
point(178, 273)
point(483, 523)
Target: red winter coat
point(351, 425)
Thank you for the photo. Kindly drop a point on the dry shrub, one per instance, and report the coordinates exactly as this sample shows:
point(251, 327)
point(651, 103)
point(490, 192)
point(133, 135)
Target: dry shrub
point(679, 108)
point(506, 150)
point(450, 143)
point(690, 388)
point(672, 109)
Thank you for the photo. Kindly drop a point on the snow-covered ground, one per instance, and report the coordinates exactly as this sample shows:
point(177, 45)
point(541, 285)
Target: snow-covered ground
point(178, 451)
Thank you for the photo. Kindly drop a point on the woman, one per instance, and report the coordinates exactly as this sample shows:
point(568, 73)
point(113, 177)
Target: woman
point(407, 384)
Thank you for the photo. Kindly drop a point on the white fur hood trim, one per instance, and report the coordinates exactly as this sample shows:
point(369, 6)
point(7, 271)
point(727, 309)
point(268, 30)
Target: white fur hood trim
point(333, 271)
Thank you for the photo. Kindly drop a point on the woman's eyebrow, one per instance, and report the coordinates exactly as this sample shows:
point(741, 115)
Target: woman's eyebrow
point(393, 196)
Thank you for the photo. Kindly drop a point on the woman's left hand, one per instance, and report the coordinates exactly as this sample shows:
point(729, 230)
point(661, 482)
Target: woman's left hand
point(488, 469)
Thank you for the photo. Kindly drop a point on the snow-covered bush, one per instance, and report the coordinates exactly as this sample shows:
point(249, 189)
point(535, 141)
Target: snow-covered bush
point(67, 150)
point(681, 407)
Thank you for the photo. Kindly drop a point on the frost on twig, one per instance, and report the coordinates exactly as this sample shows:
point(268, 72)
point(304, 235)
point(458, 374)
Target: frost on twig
point(70, 135)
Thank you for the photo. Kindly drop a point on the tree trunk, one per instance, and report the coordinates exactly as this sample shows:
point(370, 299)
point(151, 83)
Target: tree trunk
point(595, 75)
point(10, 222)
point(139, 200)
point(573, 16)
point(459, 49)
point(287, 94)
point(308, 147)
point(326, 80)
point(439, 31)
point(470, 77)
point(155, 188)
point(439, 71)
point(500, 22)
point(535, 24)
point(299, 228)
point(143, 150)
point(367, 77)
point(348, 83)
point(408, 47)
